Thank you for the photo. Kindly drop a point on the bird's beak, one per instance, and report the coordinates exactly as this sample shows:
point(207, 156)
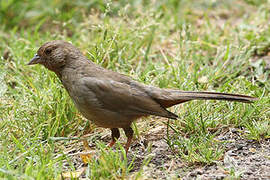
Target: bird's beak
point(35, 60)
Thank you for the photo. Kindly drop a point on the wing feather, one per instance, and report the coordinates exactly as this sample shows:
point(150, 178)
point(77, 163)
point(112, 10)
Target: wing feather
point(125, 98)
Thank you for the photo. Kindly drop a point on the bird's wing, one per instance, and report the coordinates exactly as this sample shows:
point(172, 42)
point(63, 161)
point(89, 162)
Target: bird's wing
point(124, 97)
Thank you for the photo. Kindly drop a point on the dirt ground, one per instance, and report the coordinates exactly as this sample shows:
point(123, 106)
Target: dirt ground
point(243, 159)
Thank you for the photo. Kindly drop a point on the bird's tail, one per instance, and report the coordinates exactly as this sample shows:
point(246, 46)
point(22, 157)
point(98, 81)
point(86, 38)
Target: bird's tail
point(169, 98)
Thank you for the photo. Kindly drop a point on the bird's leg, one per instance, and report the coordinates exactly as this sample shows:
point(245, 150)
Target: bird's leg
point(129, 133)
point(115, 136)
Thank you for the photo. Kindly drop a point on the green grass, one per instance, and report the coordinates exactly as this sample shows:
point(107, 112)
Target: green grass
point(191, 45)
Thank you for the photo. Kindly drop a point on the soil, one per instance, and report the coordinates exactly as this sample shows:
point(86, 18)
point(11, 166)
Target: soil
point(243, 158)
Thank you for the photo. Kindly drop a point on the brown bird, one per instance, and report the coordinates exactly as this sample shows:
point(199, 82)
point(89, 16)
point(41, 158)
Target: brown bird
point(110, 99)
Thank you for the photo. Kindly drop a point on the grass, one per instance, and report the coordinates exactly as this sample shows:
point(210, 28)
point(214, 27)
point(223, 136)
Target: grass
point(190, 45)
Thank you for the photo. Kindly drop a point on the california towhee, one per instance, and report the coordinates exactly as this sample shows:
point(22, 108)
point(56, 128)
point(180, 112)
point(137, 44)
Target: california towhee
point(109, 99)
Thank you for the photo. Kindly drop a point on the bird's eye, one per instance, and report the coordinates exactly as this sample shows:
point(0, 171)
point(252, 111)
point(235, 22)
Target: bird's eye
point(48, 51)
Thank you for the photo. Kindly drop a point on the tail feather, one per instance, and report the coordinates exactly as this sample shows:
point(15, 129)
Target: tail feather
point(214, 95)
point(172, 97)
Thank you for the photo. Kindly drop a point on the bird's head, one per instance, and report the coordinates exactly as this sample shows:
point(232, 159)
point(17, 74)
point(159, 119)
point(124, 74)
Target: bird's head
point(54, 55)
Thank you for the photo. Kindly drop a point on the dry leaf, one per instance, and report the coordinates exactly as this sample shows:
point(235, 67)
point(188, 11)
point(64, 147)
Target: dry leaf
point(74, 174)
point(203, 79)
point(252, 150)
point(86, 157)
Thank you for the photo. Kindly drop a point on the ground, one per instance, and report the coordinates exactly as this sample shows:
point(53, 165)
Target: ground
point(244, 159)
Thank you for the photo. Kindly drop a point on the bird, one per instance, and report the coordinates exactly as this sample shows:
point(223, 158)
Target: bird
point(110, 99)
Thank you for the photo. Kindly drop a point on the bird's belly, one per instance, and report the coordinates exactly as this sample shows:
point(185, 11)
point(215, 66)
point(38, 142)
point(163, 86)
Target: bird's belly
point(93, 110)
point(103, 117)
point(107, 119)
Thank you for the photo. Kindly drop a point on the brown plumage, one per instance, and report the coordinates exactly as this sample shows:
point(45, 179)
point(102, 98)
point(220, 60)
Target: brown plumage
point(109, 99)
